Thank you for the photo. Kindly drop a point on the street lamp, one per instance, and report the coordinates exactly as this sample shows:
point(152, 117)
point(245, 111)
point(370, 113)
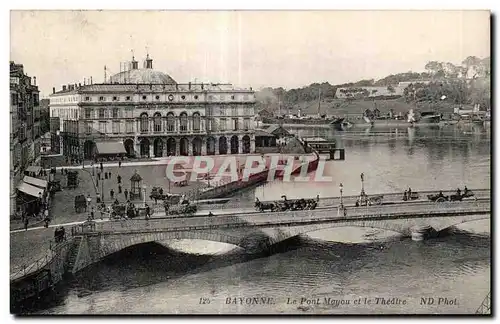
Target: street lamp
point(362, 184)
point(341, 187)
point(144, 194)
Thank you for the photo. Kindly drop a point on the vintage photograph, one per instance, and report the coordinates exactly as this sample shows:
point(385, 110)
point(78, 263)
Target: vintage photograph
point(250, 162)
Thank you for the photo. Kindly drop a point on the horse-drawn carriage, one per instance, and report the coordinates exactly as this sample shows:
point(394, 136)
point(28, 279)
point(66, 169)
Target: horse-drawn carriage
point(410, 196)
point(458, 196)
point(80, 204)
point(157, 194)
point(182, 183)
point(181, 209)
point(365, 200)
point(72, 179)
point(285, 204)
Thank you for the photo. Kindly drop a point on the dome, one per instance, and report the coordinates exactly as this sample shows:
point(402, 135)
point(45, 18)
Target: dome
point(145, 76)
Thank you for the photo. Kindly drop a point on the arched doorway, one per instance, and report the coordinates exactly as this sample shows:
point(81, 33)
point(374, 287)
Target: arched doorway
point(171, 146)
point(144, 147)
point(234, 144)
point(184, 146)
point(210, 146)
point(197, 146)
point(89, 150)
point(246, 144)
point(129, 147)
point(222, 145)
point(158, 147)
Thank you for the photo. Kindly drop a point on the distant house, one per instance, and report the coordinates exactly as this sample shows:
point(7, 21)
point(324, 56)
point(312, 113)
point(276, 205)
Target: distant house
point(265, 113)
point(276, 130)
point(368, 92)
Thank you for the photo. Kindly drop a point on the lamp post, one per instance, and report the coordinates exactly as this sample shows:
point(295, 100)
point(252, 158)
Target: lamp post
point(362, 184)
point(144, 194)
point(341, 187)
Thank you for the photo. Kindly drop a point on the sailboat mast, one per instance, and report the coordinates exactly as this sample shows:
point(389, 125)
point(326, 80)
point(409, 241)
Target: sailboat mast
point(319, 102)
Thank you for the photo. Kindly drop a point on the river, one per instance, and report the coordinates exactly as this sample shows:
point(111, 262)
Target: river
point(335, 271)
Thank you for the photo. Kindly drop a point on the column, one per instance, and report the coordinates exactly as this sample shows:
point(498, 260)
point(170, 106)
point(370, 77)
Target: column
point(228, 141)
point(252, 144)
point(204, 146)
point(216, 146)
point(165, 152)
point(190, 146)
point(240, 146)
point(177, 147)
point(151, 148)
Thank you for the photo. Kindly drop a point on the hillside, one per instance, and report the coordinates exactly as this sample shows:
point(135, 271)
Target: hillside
point(447, 86)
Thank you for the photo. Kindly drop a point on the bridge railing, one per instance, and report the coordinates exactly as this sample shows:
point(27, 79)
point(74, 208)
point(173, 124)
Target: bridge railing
point(34, 265)
point(287, 217)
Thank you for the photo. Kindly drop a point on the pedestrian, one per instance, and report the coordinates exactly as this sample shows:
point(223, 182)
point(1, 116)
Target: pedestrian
point(102, 209)
point(92, 213)
point(99, 175)
point(109, 174)
point(112, 193)
point(119, 189)
point(119, 164)
point(106, 175)
point(405, 197)
point(119, 179)
point(100, 165)
point(26, 222)
point(409, 192)
point(148, 211)
point(126, 194)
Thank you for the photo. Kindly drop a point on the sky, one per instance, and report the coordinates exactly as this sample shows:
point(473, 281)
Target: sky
point(255, 49)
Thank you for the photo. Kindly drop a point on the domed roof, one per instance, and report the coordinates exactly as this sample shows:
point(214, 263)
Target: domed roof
point(146, 76)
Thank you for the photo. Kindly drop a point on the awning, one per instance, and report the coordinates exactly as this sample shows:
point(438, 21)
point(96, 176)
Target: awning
point(35, 182)
point(110, 148)
point(34, 168)
point(29, 189)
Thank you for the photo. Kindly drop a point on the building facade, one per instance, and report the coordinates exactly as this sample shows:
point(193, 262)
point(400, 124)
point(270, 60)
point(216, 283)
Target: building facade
point(24, 127)
point(154, 116)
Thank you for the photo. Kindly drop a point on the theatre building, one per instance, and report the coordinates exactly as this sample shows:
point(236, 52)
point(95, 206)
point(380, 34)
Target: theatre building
point(142, 112)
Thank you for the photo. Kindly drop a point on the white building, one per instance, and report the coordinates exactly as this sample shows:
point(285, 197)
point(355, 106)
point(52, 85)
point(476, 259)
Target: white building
point(152, 115)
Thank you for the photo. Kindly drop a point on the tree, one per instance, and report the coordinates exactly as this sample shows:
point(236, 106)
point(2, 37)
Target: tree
point(391, 89)
point(434, 67)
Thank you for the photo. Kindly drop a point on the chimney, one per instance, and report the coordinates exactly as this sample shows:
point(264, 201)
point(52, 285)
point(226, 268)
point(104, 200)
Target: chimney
point(64, 88)
point(91, 80)
point(53, 90)
point(202, 86)
point(134, 64)
point(79, 85)
point(34, 81)
point(189, 85)
point(149, 62)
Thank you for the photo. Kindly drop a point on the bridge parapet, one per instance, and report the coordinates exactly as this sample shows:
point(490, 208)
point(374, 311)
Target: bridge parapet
point(288, 218)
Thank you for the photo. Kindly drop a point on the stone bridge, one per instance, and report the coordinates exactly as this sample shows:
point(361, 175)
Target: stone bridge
point(257, 231)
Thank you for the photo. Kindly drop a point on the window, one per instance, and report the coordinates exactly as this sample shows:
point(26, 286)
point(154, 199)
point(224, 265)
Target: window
point(157, 97)
point(170, 122)
point(184, 122)
point(196, 122)
point(127, 98)
point(246, 124)
point(144, 123)
point(210, 97)
point(115, 98)
point(234, 111)
point(88, 127)
point(116, 127)
point(183, 97)
point(144, 97)
point(235, 124)
point(87, 98)
point(101, 113)
point(129, 126)
point(196, 97)
point(115, 112)
point(222, 125)
point(13, 99)
point(102, 127)
point(101, 98)
point(222, 111)
point(129, 112)
point(232, 97)
point(157, 122)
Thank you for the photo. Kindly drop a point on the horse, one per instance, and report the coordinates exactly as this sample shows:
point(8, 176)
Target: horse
point(264, 206)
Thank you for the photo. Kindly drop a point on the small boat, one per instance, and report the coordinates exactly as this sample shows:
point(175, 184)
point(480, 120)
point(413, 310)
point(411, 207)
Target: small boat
point(341, 124)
